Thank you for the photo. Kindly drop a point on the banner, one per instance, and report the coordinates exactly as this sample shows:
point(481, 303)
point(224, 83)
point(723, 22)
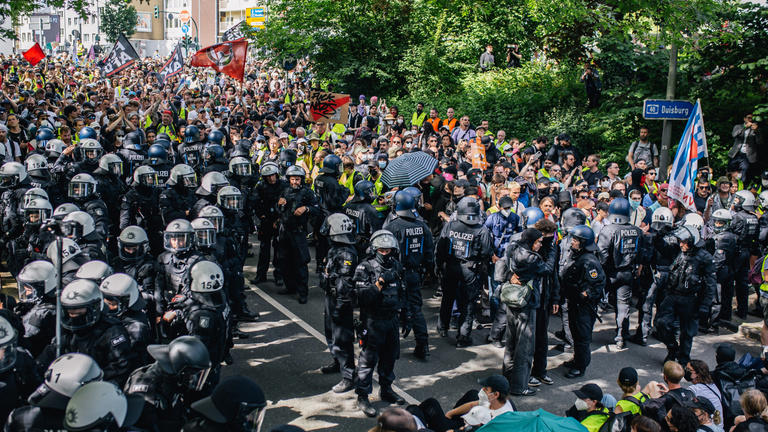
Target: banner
point(477, 151)
point(226, 57)
point(692, 147)
point(34, 54)
point(171, 67)
point(122, 56)
point(326, 107)
point(234, 33)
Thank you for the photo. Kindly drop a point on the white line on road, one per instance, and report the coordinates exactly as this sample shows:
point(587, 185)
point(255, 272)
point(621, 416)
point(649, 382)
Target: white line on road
point(317, 335)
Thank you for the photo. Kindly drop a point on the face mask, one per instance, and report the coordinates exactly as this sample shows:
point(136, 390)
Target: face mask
point(737, 176)
point(509, 155)
point(605, 184)
point(399, 121)
point(348, 138)
point(688, 376)
point(382, 164)
point(581, 405)
point(408, 145)
point(634, 204)
point(482, 398)
point(505, 212)
point(765, 183)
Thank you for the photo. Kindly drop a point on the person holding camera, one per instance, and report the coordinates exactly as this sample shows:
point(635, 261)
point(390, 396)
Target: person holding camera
point(743, 153)
point(513, 56)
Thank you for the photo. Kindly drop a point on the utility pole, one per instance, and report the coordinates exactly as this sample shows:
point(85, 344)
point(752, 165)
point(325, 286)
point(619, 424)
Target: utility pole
point(666, 134)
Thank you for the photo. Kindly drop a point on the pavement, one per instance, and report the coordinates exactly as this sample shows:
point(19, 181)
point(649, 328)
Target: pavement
point(286, 348)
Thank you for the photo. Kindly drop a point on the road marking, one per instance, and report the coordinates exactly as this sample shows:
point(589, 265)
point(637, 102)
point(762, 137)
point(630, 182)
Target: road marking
point(317, 335)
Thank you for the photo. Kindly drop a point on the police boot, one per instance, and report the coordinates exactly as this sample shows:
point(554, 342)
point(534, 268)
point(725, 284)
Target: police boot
point(365, 406)
point(245, 314)
point(421, 352)
point(331, 368)
point(343, 386)
point(387, 395)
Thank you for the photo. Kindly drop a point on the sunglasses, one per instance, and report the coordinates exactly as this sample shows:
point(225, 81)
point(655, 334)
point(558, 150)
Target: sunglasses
point(703, 187)
point(652, 173)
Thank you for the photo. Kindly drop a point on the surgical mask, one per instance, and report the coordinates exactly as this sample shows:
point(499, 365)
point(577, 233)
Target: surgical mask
point(509, 155)
point(482, 399)
point(408, 144)
point(348, 138)
point(505, 212)
point(765, 183)
point(737, 176)
point(399, 121)
point(634, 204)
point(382, 164)
point(581, 405)
point(606, 184)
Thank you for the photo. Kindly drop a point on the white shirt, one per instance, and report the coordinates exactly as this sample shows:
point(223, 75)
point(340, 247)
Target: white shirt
point(507, 407)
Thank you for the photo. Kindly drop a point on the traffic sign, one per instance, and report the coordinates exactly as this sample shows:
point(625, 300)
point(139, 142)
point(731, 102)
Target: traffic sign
point(185, 28)
point(662, 109)
point(184, 16)
point(257, 12)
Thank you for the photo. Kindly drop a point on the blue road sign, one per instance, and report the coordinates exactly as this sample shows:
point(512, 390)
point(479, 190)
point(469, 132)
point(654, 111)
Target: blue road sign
point(257, 12)
point(185, 28)
point(661, 109)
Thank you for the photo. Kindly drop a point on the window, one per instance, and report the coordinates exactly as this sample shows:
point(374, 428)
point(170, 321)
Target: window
point(86, 37)
point(69, 21)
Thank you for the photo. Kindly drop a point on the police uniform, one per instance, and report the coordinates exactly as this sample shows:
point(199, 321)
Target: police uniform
point(174, 276)
point(339, 313)
point(366, 219)
point(724, 247)
point(746, 225)
point(661, 249)
point(95, 207)
point(174, 203)
point(132, 159)
point(140, 207)
point(18, 382)
point(267, 213)
point(39, 319)
point(293, 248)
point(164, 404)
point(331, 197)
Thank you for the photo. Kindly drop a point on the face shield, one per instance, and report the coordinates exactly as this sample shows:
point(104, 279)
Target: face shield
point(115, 305)
point(79, 317)
point(80, 190)
point(30, 291)
point(206, 237)
point(189, 180)
point(242, 169)
point(8, 355)
point(8, 180)
point(217, 221)
point(148, 179)
point(720, 225)
point(116, 168)
point(36, 217)
point(72, 229)
point(130, 251)
point(178, 241)
point(91, 154)
point(251, 416)
point(232, 202)
point(194, 379)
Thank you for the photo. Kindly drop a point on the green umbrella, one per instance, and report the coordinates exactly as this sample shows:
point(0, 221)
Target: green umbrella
point(532, 421)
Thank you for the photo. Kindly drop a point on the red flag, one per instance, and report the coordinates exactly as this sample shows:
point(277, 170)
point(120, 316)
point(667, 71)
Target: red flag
point(226, 57)
point(34, 54)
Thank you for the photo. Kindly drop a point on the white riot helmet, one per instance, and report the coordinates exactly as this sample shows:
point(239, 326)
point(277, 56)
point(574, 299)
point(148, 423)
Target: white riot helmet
point(145, 175)
point(34, 193)
point(340, 228)
point(721, 220)
point(63, 378)
point(94, 270)
point(78, 224)
point(240, 166)
point(90, 150)
point(36, 281)
point(179, 236)
point(215, 215)
point(132, 243)
point(211, 183)
point(207, 283)
point(763, 198)
point(60, 212)
point(205, 232)
point(69, 250)
point(269, 168)
point(81, 303)
point(35, 163)
point(694, 220)
point(744, 199)
point(54, 148)
point(120, 292)
point(11, 174)
point(230, 198)
point(183, 174)
point(81, 186)
point(111, 163)
point(8, 343)
point(101, 405)
point(37, 211)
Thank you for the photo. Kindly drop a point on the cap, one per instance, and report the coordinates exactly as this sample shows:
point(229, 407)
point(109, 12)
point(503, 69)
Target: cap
point(496, 382)
point(301, 141)
point(603, 196)
point(284, 135)
point(664, 186)
point(477, 416)
point(722, 180)
point(506, 202)
point(703, 404)
point(628, 376)
point(589, 391)
point(168, 112)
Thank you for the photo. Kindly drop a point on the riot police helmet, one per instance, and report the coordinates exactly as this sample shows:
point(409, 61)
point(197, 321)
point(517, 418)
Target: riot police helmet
point(101, 405)
point(134, 140)
point(183, 174)
point(694, 219)
point(744, 199)
point(662, 218)
point(120, 292)
point(530, 215)
point(43, 137)
point(240, 166)
point(207, 283)
point(688, 234)
point(87, 132)
point(468, 211)
point(36, 164)
point(78, 224)
point(619, 210)
point(215, 137)
point(268, 169)
point(236, 401)
point(185, 357)
point(90, 150)
point(60, 212)
point(34, 193)
point(81, 304)
point(365, 191)
point(69, 250)
point(63, 378)
point(36, 281)
point(12, 174)
point(213, 152)
point(213, 214)
point(157, 154)
point(95, 270)
point(721, 220)
point(331, 164)
point(340, 228)
point(145, 175)
point(37, 211)
point(112, 164)
point(763, 198)
point(81, 186)
point(54, 148)
point(230, 198)
point(205, 232)
point(571, 218)
point(584, 235)
point(191, 134)
point(179, 236)
point(132, 243)
point(8, 343)
point(211, 183)
point(405, 204)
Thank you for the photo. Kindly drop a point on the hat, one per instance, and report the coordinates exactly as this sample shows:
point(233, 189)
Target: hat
point(506, 202)
point(496, 382)
point(444, 127)
point(725, 353)
point(722, 180)
point(628, 376)
point(589, 391)
point(664, 186)
point(529, 236)
point(362, 97)
point(477, 416)
point(603, 196)
point(314, 137)
point(703, 404)
point(301, 141)
point(284, 136)
point(168, 112)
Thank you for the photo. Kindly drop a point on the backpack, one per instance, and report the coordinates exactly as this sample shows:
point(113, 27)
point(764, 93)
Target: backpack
point(755, 275)
point(621, 422)
point(655, 409)
point(731, 390)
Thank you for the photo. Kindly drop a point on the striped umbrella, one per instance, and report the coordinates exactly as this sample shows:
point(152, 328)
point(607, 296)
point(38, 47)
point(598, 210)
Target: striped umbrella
point(408, 169)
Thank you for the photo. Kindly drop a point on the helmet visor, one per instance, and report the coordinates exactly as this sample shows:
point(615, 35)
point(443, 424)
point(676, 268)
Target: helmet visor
point(80, 317)
point(30, 291)
point(148, 179)
point(242, 169)
point(194, 379)
point(189, 180)
point(72, 229)
point(36, 216)
point(115, 305)
point(80, 189)
point(232, 202)
point(7, 355)
point(252, 416)
point(8, 180)
point(206, 237)
point(116, 168)
point(91, 154)
point(130, 251)
point(217, 222)
point(178, 242)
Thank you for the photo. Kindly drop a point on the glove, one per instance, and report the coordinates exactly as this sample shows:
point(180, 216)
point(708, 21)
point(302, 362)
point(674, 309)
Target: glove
point(405, 324)
point(389, 276)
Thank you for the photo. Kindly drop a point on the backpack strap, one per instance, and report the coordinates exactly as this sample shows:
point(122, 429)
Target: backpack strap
point(635, 400)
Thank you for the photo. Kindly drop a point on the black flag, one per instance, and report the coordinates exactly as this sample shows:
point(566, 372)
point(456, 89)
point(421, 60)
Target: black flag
point(122, 56)
point(171, 67)
point(234, 33)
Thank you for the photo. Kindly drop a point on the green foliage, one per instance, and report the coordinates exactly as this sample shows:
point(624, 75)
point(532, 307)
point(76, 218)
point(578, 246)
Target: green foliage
point(118, 18)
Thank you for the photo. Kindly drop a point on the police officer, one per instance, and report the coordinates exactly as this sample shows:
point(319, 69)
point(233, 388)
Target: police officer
point(207, 193)
point(179, 372)
point(111, 188)
point(584, 281)
point(380, 294)
point(236, 405)
point(177, 199)
point(241, 175)
point(140, 204)
point(268, 192)
point(331, 198)
point(72, 258)
point(123, 301)
point(133, 153)
point(463, 248)
point(215, 158)
point(101, 406)
point(63, 378)
point(746, 225)
point(157, 158)
point(37, 304)
point(14, 182)
point(660, 248)
point(38, 171)
point(724, 247)
point(339, 292)
point(366, 218)
point(416, 248)
point(191, 151)
point(86, 330)
point(571, 217)
point(30, 245)
point(174, 264)
point(79, 226)
point(18, 373)
point(134, 259)
point(82, 191)
point(691, 290)
point(618, 248)
point(296, 205)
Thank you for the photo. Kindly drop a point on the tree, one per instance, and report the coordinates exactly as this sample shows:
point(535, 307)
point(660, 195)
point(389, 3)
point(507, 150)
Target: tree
point(118, 18)
point(15, 9)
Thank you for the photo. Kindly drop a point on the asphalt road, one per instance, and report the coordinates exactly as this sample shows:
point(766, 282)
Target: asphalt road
point(286, 348)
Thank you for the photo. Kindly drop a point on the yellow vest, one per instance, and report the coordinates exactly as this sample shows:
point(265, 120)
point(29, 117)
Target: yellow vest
point(595, 420)
point(418, 120)
point(630, 406)
point(348, 181)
